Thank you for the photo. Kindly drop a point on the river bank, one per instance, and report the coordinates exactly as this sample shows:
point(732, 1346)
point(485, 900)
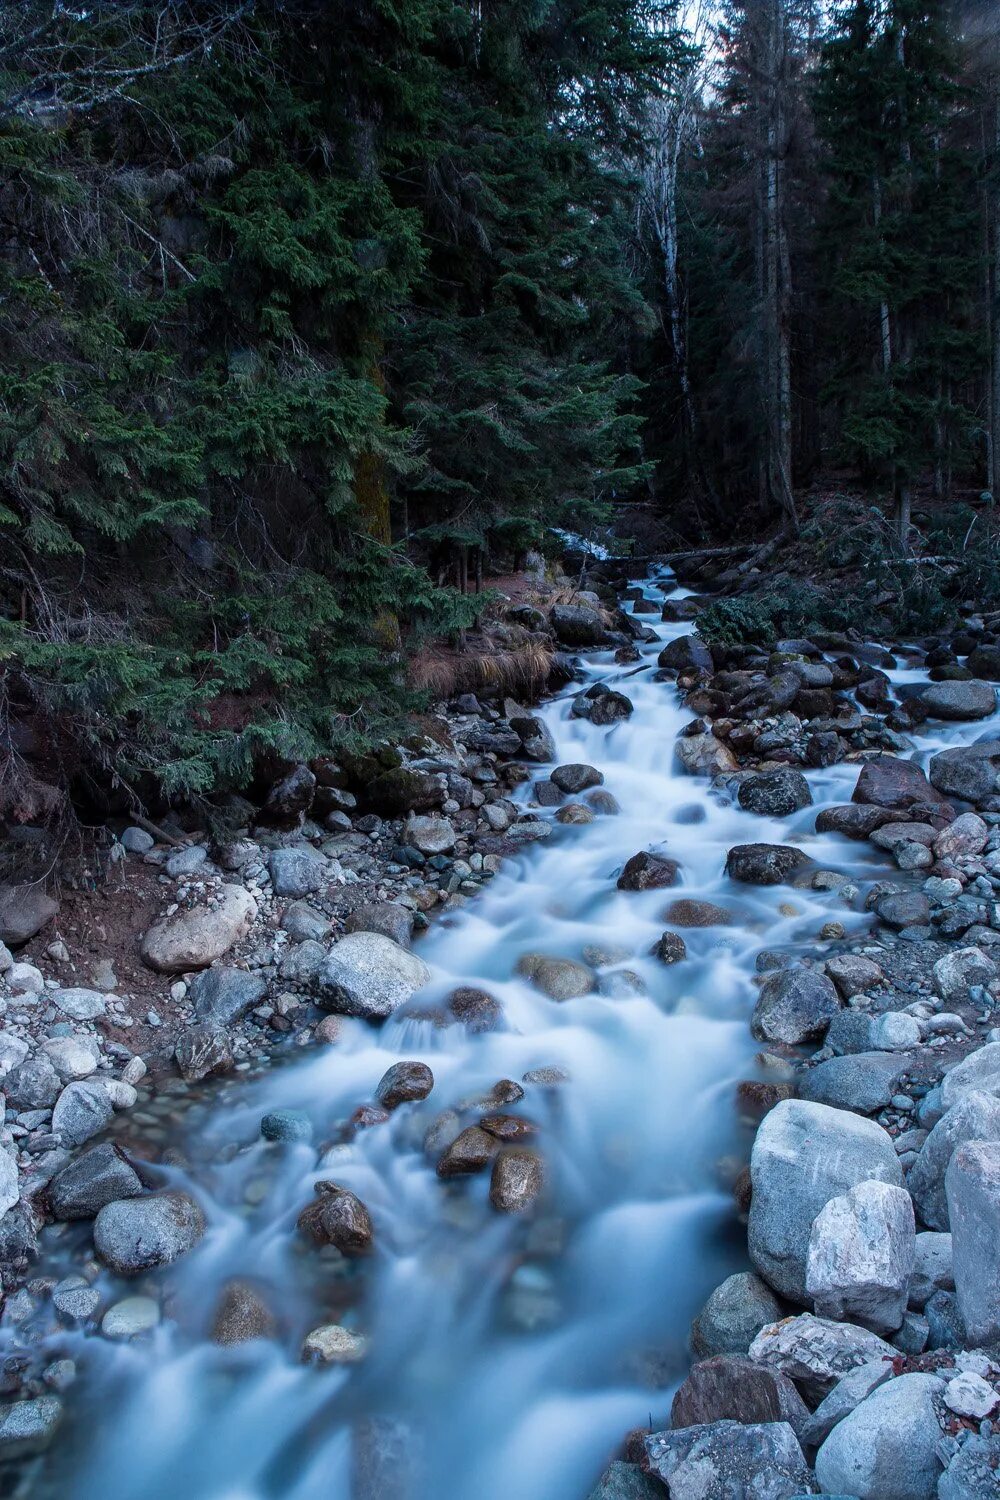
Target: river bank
point(548, 1180)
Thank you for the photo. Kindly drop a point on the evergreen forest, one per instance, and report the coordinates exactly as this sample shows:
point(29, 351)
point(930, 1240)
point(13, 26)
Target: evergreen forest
point(318, 317)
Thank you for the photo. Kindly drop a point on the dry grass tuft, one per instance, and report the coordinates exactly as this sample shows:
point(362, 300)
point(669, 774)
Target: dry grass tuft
point(520, 673)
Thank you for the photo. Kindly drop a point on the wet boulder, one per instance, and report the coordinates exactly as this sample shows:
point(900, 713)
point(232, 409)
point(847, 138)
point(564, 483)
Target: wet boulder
point(28, 1427)
point(704, 755)
point(960, 701)
point(242, 1315)
point(969, 772)
point(647, 871)
point(203, 1052)
point(133, 1235)
point(471, 1151)
point(517, 1179)
point(601, 705)
point(688, 653)
point(733, 1316)
point(887, 781)
point(337, 1217)
point(622, 1481)
point(764, 864)
point(795, 1005)
point(686, 912)
point(477, 1010)
point(559, 978)
point(983, 662)
point(804, 1155)
point(404, 1083)
point(366, 974)
point(854, 820)
point(670, 948)
point(535, 735)
point(575, 778)
point(774, 794)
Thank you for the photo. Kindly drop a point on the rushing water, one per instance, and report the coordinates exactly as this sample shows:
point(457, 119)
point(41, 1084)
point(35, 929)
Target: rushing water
point(509, 1356)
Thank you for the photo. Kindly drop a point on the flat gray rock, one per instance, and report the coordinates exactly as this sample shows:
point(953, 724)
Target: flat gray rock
point(139, 1234)
point(817, 1352)
point(221, 995)
point(719, 1460)
point(366, 974)
point(93, 1179)
point(862, 1082)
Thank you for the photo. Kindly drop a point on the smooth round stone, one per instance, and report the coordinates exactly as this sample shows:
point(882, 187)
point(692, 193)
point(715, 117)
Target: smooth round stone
point(286, 1125)
point(130, 1318)
point(75, 1298)
point(333, 1345)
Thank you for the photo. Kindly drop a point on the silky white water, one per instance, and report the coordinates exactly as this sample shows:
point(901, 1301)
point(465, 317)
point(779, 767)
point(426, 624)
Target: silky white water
point(510, 1356)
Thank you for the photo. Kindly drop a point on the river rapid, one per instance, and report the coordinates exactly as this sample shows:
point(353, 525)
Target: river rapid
point(506, 1356)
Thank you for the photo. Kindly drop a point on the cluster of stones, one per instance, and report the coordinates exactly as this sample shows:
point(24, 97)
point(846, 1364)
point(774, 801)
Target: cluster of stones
point(861, 1354)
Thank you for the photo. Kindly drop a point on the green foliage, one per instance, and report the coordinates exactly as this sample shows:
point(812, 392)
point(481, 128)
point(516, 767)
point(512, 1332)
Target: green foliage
point(303, 278)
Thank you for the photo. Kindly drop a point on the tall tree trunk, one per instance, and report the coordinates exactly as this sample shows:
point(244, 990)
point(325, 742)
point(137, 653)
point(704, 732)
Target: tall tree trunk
point(993, 192)
point(777, 273)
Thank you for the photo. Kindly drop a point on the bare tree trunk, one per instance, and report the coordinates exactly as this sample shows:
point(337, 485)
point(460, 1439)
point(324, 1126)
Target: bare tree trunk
point(777, 273)
point(993, 192)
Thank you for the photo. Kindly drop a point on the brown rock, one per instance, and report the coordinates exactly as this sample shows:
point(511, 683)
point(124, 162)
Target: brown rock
point(731, 1388)
point(337, 1217)
point(477, 1010)
point(518, 1178)
point(688, 913)
point(648, 872)
point(508, 1127)
point(404, 1083)
point(242, 1315)
point(472, 1151)
point(888, 781)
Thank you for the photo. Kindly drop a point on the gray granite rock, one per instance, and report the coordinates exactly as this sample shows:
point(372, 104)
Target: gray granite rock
point(861, 1253)
point(138, 1234)
point(886, 1448)
point(719, 1460)
point(804, 1155)
point(975, 1117)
